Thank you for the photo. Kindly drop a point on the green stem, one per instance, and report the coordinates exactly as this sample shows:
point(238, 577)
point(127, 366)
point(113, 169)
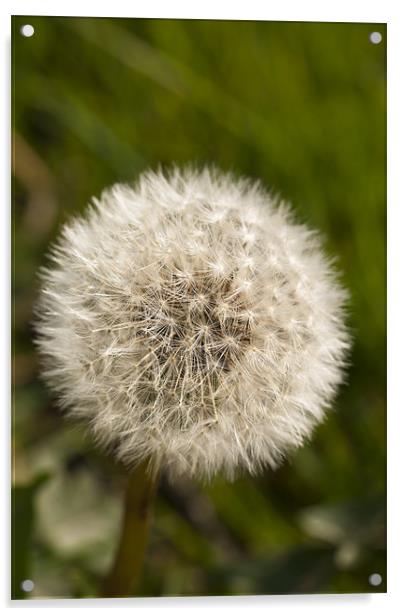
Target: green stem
point(125, 570)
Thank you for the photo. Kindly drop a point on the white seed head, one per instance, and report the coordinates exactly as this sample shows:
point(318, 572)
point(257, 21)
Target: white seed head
point(188, 320)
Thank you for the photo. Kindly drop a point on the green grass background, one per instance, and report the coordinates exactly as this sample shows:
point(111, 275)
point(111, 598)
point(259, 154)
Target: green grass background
point(300, 106)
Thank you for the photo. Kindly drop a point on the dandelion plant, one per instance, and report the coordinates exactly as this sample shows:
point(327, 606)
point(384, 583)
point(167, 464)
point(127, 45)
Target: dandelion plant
point(193, 326)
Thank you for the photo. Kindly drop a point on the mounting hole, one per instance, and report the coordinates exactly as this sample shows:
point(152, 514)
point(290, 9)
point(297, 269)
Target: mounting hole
point(27, 585)
point(375, 38)
point(27, 30)
point(375, 579)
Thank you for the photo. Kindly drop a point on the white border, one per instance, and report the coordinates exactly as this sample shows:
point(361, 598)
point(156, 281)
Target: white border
point(286, 10)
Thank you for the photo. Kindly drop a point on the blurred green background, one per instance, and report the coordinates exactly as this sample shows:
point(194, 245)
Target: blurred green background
point(299, 105)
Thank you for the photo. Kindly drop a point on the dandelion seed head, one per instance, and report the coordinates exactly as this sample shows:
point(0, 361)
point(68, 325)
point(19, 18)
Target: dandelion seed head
point(190, 321)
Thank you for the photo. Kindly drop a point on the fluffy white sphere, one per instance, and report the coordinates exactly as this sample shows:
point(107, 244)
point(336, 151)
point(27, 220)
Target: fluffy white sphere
point(190, 321)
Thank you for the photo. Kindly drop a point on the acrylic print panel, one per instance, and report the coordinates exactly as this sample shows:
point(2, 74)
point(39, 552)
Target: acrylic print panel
point(199, 392)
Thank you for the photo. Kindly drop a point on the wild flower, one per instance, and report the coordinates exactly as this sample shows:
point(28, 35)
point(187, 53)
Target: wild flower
point(188, 320)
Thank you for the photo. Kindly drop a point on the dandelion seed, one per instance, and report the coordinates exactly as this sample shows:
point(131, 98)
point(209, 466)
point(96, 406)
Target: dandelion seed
point(192, 323)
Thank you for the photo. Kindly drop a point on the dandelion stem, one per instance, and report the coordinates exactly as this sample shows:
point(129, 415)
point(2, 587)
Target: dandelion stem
point(125, 571)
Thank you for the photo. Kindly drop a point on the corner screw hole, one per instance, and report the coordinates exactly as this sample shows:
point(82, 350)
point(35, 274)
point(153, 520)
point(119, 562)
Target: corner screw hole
point(27, 585)
point(27, 30)
point(375, 38)
point(375, 579)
